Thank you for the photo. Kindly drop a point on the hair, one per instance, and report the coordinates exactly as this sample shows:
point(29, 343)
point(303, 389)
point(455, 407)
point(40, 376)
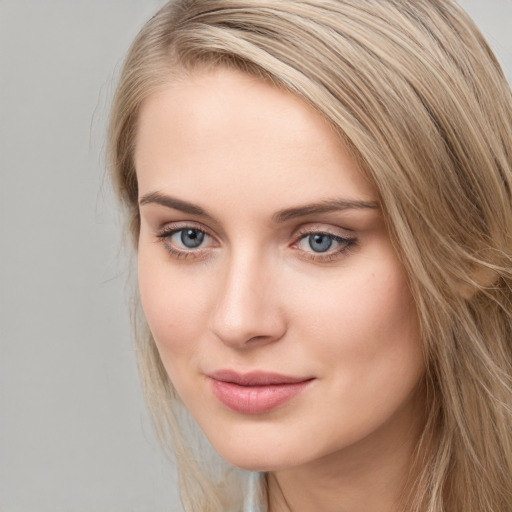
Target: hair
point(418, 97)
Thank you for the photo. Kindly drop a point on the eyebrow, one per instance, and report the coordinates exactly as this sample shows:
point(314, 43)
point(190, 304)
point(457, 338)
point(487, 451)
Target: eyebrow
point(172, 202)
point(327, 206)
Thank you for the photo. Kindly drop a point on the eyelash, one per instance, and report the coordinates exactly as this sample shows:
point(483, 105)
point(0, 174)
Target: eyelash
point(168, 232)
point(345, 243)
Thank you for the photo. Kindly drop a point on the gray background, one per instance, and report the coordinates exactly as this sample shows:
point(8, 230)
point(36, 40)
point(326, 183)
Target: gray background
point(74, 434)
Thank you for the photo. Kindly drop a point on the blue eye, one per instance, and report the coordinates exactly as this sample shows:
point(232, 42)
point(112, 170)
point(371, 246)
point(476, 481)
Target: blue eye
point(190, 238)
point(185, 242)
point(320, 242)
point(324, 246)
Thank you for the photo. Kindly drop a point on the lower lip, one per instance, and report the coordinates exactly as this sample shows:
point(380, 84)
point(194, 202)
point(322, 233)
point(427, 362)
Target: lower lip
point(255, 399)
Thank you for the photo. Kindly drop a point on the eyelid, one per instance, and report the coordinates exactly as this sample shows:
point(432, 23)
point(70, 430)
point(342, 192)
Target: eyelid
point(344, 242)
point(325, 229)
point(167, 231)
point(177, 226)
point(322, 226)
point(336, 233)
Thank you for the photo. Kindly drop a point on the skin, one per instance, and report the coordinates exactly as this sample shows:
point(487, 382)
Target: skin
point(255, 295)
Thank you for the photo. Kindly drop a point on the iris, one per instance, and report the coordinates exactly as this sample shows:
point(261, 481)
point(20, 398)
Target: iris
point(319, 242)
point(191, 238)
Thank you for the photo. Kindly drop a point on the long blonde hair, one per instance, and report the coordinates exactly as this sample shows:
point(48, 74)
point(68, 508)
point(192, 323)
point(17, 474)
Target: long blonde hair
point(417, 95)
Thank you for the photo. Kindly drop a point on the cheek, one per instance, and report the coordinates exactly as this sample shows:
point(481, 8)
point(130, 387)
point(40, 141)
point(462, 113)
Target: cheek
point(366, 327)
point(175, 310)
point(366, 343)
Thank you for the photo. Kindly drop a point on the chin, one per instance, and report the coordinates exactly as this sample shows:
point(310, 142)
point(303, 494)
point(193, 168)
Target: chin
point(258, 456)
point(257, 462)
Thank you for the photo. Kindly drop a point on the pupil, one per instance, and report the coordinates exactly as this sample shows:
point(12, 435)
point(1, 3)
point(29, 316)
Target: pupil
point(192, 238)
point(320, 243)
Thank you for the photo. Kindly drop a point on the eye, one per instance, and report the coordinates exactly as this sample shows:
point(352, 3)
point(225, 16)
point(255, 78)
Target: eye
point(185, 241)
point(319, 242)
point(323, 246)
point(189, 238)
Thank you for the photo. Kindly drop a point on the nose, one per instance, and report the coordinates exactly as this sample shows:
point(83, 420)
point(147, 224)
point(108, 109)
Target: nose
point(247, 310)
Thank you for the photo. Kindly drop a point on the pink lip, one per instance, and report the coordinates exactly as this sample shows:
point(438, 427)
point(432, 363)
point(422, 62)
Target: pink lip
point(255, 392)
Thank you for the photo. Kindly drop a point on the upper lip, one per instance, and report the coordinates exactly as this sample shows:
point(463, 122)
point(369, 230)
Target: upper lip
point(255, 378)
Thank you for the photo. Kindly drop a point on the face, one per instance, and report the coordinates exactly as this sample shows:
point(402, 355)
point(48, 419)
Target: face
point(279, 308)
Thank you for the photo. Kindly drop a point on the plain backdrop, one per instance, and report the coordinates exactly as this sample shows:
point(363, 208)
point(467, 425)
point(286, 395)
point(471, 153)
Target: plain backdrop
point(74, 432)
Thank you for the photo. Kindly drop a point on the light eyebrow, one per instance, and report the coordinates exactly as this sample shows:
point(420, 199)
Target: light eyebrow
point(172, 202)
point(328, 206)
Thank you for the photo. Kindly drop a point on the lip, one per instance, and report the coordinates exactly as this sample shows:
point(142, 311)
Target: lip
point(255, 392)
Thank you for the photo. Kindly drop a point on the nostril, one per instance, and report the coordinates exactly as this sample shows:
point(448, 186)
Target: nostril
point(248, 328)
point(246, 311)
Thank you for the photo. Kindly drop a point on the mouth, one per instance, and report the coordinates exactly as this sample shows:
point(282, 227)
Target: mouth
point(255, 392)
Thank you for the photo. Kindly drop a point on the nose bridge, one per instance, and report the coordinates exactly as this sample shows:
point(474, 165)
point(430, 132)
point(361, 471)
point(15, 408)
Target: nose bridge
point(246, 308)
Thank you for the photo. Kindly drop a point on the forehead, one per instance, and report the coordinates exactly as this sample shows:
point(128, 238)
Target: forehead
point(222, 127)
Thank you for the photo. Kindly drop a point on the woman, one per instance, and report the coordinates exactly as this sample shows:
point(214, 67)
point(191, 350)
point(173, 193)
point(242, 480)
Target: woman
point(320, 197)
